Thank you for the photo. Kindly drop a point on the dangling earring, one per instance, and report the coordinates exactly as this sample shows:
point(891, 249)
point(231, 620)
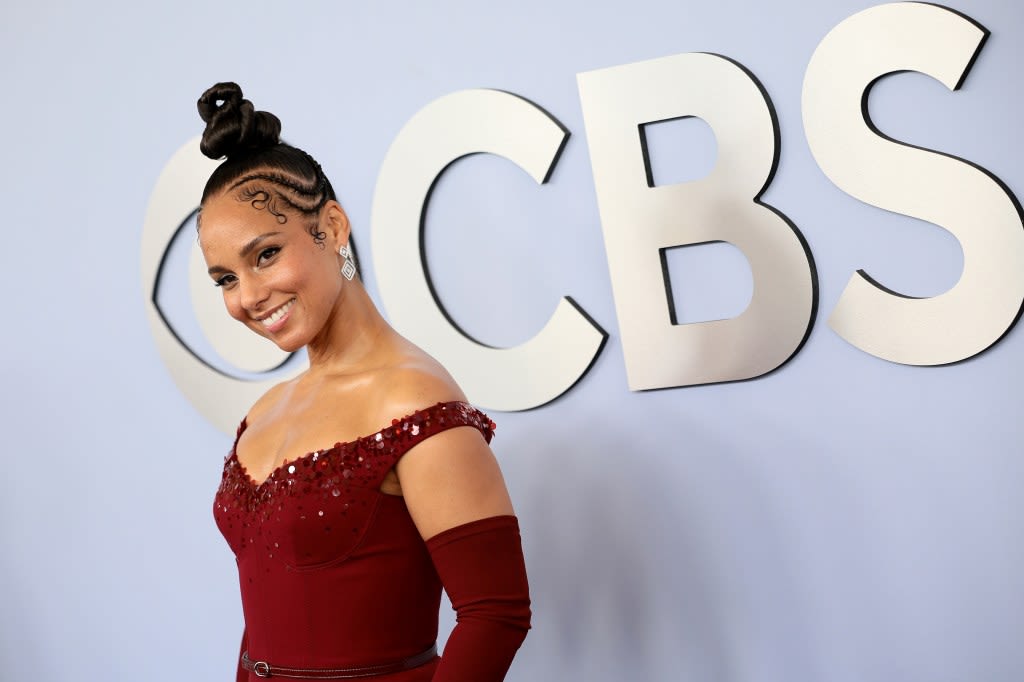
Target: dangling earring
point(348, 268)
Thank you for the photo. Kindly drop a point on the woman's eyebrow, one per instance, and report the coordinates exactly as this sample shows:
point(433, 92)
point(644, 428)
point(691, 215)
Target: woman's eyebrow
point(245, 250)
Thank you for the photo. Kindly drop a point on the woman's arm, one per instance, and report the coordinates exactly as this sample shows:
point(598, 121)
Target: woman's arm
point(457, 497)
point(481, 566)
point(450, 479)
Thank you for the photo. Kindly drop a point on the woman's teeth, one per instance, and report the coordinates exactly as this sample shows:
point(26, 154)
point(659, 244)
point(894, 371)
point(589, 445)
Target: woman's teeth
point(278, 314)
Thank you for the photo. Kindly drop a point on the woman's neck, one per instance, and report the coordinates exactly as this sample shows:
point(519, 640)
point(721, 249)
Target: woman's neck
point(354, 335)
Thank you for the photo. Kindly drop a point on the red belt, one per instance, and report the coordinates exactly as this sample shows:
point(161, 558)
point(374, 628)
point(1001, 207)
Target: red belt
point(264, 669)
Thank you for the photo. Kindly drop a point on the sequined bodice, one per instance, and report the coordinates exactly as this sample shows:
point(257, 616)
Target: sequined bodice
point(332, 570)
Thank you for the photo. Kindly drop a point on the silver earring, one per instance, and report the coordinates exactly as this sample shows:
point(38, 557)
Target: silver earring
point(348, 268)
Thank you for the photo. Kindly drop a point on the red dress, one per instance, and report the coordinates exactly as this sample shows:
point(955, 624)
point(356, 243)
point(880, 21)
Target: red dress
point(333, 572)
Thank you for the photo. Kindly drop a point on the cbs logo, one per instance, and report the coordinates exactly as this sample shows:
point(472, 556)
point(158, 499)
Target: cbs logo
point(641, 220)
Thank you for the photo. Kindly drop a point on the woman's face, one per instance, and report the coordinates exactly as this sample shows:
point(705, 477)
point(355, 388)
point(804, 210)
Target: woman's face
point(275, 279)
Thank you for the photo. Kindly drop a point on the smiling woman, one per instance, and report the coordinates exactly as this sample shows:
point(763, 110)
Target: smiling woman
point(355, 491)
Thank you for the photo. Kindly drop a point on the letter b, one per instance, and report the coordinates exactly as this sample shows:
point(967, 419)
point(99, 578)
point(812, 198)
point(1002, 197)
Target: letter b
point(639, 220)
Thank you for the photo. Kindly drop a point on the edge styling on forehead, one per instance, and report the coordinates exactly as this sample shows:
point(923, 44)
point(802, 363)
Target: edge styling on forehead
point(266, 172)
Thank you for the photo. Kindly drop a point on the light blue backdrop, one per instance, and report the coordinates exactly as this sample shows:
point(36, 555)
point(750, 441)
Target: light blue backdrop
point(842, 519)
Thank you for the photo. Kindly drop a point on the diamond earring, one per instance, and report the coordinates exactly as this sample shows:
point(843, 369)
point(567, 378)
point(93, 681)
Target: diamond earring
point(348, 268)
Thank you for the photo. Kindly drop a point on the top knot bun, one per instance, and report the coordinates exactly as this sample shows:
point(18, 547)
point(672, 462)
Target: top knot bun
point(232, 124)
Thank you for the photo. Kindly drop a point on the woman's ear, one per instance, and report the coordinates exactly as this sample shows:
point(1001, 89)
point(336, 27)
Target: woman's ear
point(334, 221)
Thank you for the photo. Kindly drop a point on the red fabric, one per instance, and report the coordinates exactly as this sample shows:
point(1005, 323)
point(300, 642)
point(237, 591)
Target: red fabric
point(482, 569)
point(241, 675)
point(333, 572)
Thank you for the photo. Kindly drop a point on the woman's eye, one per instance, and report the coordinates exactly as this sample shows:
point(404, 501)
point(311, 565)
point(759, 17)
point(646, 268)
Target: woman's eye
point(267, 254)
point(224, 281)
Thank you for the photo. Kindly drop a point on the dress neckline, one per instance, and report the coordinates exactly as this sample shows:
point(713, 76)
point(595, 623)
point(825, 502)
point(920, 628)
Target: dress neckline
point(334, 448)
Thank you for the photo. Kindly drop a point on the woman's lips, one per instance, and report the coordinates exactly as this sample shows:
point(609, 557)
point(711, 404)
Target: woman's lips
point(276, 319)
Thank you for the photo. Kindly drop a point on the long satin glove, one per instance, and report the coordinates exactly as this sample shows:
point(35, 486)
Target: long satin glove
point(482, 569)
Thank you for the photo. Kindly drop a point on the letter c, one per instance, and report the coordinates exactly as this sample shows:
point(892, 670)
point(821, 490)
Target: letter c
point(447, 129)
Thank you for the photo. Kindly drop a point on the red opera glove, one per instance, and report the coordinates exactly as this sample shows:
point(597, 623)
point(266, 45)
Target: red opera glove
point(482, 569)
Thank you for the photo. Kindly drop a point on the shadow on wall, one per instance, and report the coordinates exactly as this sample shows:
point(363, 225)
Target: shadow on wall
point(642, 566)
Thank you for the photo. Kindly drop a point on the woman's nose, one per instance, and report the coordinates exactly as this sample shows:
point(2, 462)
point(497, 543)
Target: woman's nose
point(253, 294)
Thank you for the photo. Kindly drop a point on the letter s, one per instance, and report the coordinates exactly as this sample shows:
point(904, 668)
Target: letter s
point(959, 196)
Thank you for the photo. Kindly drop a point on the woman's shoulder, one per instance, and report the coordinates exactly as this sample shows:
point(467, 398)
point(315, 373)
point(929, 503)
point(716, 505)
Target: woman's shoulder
point(409, 382)
point(412, 385)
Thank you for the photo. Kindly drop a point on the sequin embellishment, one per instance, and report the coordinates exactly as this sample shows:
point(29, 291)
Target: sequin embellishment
point(334, 489)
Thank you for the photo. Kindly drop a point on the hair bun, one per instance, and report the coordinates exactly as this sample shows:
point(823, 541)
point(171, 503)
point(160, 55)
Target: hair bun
point(232, 124)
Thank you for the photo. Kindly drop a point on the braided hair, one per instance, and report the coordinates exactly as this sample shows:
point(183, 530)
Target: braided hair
point(264, 171)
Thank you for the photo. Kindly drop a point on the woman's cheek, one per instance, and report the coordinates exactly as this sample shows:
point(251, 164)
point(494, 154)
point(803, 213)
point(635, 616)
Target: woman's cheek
point(233, 307)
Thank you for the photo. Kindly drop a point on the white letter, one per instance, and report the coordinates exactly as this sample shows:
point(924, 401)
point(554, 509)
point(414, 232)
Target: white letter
point(640, 221)
point(956, 195)
point(447, 129)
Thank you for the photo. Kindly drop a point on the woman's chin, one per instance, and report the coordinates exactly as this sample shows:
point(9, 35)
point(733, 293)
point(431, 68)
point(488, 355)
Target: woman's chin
point(285, 343)
point(287, 347)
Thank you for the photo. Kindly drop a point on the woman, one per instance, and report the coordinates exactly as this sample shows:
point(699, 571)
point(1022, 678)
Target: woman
point(342, 549)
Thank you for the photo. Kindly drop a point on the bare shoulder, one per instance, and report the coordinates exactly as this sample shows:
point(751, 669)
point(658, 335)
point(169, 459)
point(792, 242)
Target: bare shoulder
point(417, 382)
point(452, 477)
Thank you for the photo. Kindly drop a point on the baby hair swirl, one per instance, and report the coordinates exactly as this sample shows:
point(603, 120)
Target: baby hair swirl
point(261, 169)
